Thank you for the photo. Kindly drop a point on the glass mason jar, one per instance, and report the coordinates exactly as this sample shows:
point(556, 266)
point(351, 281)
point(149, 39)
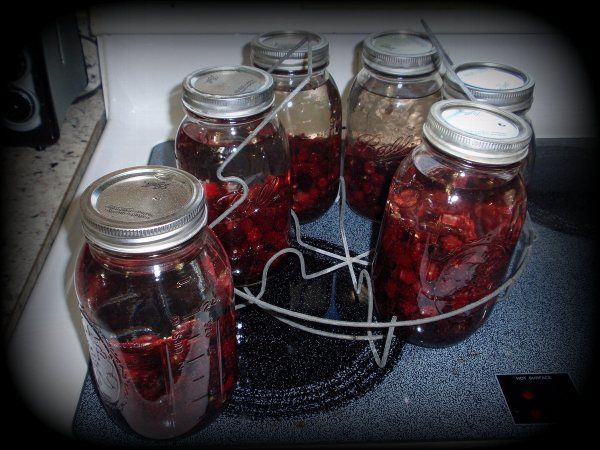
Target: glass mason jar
point(500, 85)
point(389, 101)
point(224, 105)
point(312, 119)
point(453, 217)
point(156, 297)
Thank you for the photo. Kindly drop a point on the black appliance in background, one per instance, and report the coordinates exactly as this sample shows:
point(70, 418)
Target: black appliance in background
point(42, 78)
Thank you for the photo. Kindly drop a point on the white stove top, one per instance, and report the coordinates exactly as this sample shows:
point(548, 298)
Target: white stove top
point(141, 76)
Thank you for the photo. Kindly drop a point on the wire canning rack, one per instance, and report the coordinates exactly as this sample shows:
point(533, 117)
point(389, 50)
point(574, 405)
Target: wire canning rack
point(370, 330)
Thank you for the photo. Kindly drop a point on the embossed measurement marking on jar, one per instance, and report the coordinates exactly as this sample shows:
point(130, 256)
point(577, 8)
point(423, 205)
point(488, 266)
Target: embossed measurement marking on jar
point(198, 368)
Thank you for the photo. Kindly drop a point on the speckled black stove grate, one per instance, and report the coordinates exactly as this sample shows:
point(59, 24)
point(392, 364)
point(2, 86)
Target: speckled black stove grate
point(286, 371)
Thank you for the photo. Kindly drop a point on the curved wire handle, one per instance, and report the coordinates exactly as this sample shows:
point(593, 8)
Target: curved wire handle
point(253, 134)
point(346, 260)
point(447, 61)
point(364, 280)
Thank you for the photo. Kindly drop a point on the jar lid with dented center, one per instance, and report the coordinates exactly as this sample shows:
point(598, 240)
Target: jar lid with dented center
point(143, 209)
point(477, 132)
point(493, 83)
point(228, 92)
point(401, 52)
point(268, 48)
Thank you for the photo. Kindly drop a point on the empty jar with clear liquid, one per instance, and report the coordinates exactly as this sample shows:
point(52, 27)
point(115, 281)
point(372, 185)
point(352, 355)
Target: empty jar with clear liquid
point(388, 103)
point(453, 216)
point(312, 119)
point(156, 297)
point(224, 105)
point(500, 85)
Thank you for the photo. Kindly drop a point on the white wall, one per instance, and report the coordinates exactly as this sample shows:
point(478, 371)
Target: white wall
point(563, 95)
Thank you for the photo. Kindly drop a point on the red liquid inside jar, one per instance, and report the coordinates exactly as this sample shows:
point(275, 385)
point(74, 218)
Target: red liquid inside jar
point(315, 174)
point(259, 227)
point(445, 242)
point(161, 330)
point(368, 170)
point(255, 230)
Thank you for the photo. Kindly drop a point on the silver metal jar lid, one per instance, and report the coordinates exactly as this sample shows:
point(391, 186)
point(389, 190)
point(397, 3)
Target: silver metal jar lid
point(400, 52)
point(143, 209)
point(266, 49)
point(477, 132)
point(493, 83)
point(228, 92)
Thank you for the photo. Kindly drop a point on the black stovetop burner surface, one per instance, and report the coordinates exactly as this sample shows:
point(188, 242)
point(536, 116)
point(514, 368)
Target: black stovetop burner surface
point(287, 372)
point(297, 388)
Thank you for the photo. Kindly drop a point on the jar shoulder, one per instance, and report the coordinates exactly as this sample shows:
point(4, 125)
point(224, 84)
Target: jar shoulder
point(212, 132)
point(119, 292)
point(321, 80)
point(324, 95)
point(396, 87)
point(198, 140)
point(457, 177)
point(313, 112)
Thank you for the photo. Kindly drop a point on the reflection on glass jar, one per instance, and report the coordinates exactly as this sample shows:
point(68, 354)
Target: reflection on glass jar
point(388, 103)
point(156, 296)
point(211, 130)
point(500, 85)
point(454, 214)
point(312, 119)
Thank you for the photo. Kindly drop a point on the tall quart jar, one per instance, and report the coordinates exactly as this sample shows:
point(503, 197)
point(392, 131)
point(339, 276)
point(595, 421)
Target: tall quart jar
point(453, 216)
point(389, 101)
point(312, 119)
point(224, 105)
point(500, 85)
point(156, 297)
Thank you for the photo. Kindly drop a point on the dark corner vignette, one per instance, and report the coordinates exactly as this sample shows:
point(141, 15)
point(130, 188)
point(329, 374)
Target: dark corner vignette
point(577, 25)
point(23, 423)
point(577, 28)
point(20, 25)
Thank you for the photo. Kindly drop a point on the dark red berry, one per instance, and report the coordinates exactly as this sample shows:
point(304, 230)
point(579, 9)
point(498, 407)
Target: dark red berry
point(442, 249)
point(265, 211)
point(315, 174)
point(368, 172)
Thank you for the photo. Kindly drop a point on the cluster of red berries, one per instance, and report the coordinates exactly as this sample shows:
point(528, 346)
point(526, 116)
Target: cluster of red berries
point(442, 248)
point(256, 229)
point(368, 175)
point(195, 380)
point(153, 359)
point(315, 174)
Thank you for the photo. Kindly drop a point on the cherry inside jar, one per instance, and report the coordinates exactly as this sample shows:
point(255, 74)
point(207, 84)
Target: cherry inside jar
point(449, 231)
point(368, 170)
point(312, 118)
point(155, 293)
point(315, 174)
point(259, 227)
point(164, 365)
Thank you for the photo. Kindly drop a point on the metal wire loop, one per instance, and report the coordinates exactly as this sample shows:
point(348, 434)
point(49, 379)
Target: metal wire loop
point(363, 282)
